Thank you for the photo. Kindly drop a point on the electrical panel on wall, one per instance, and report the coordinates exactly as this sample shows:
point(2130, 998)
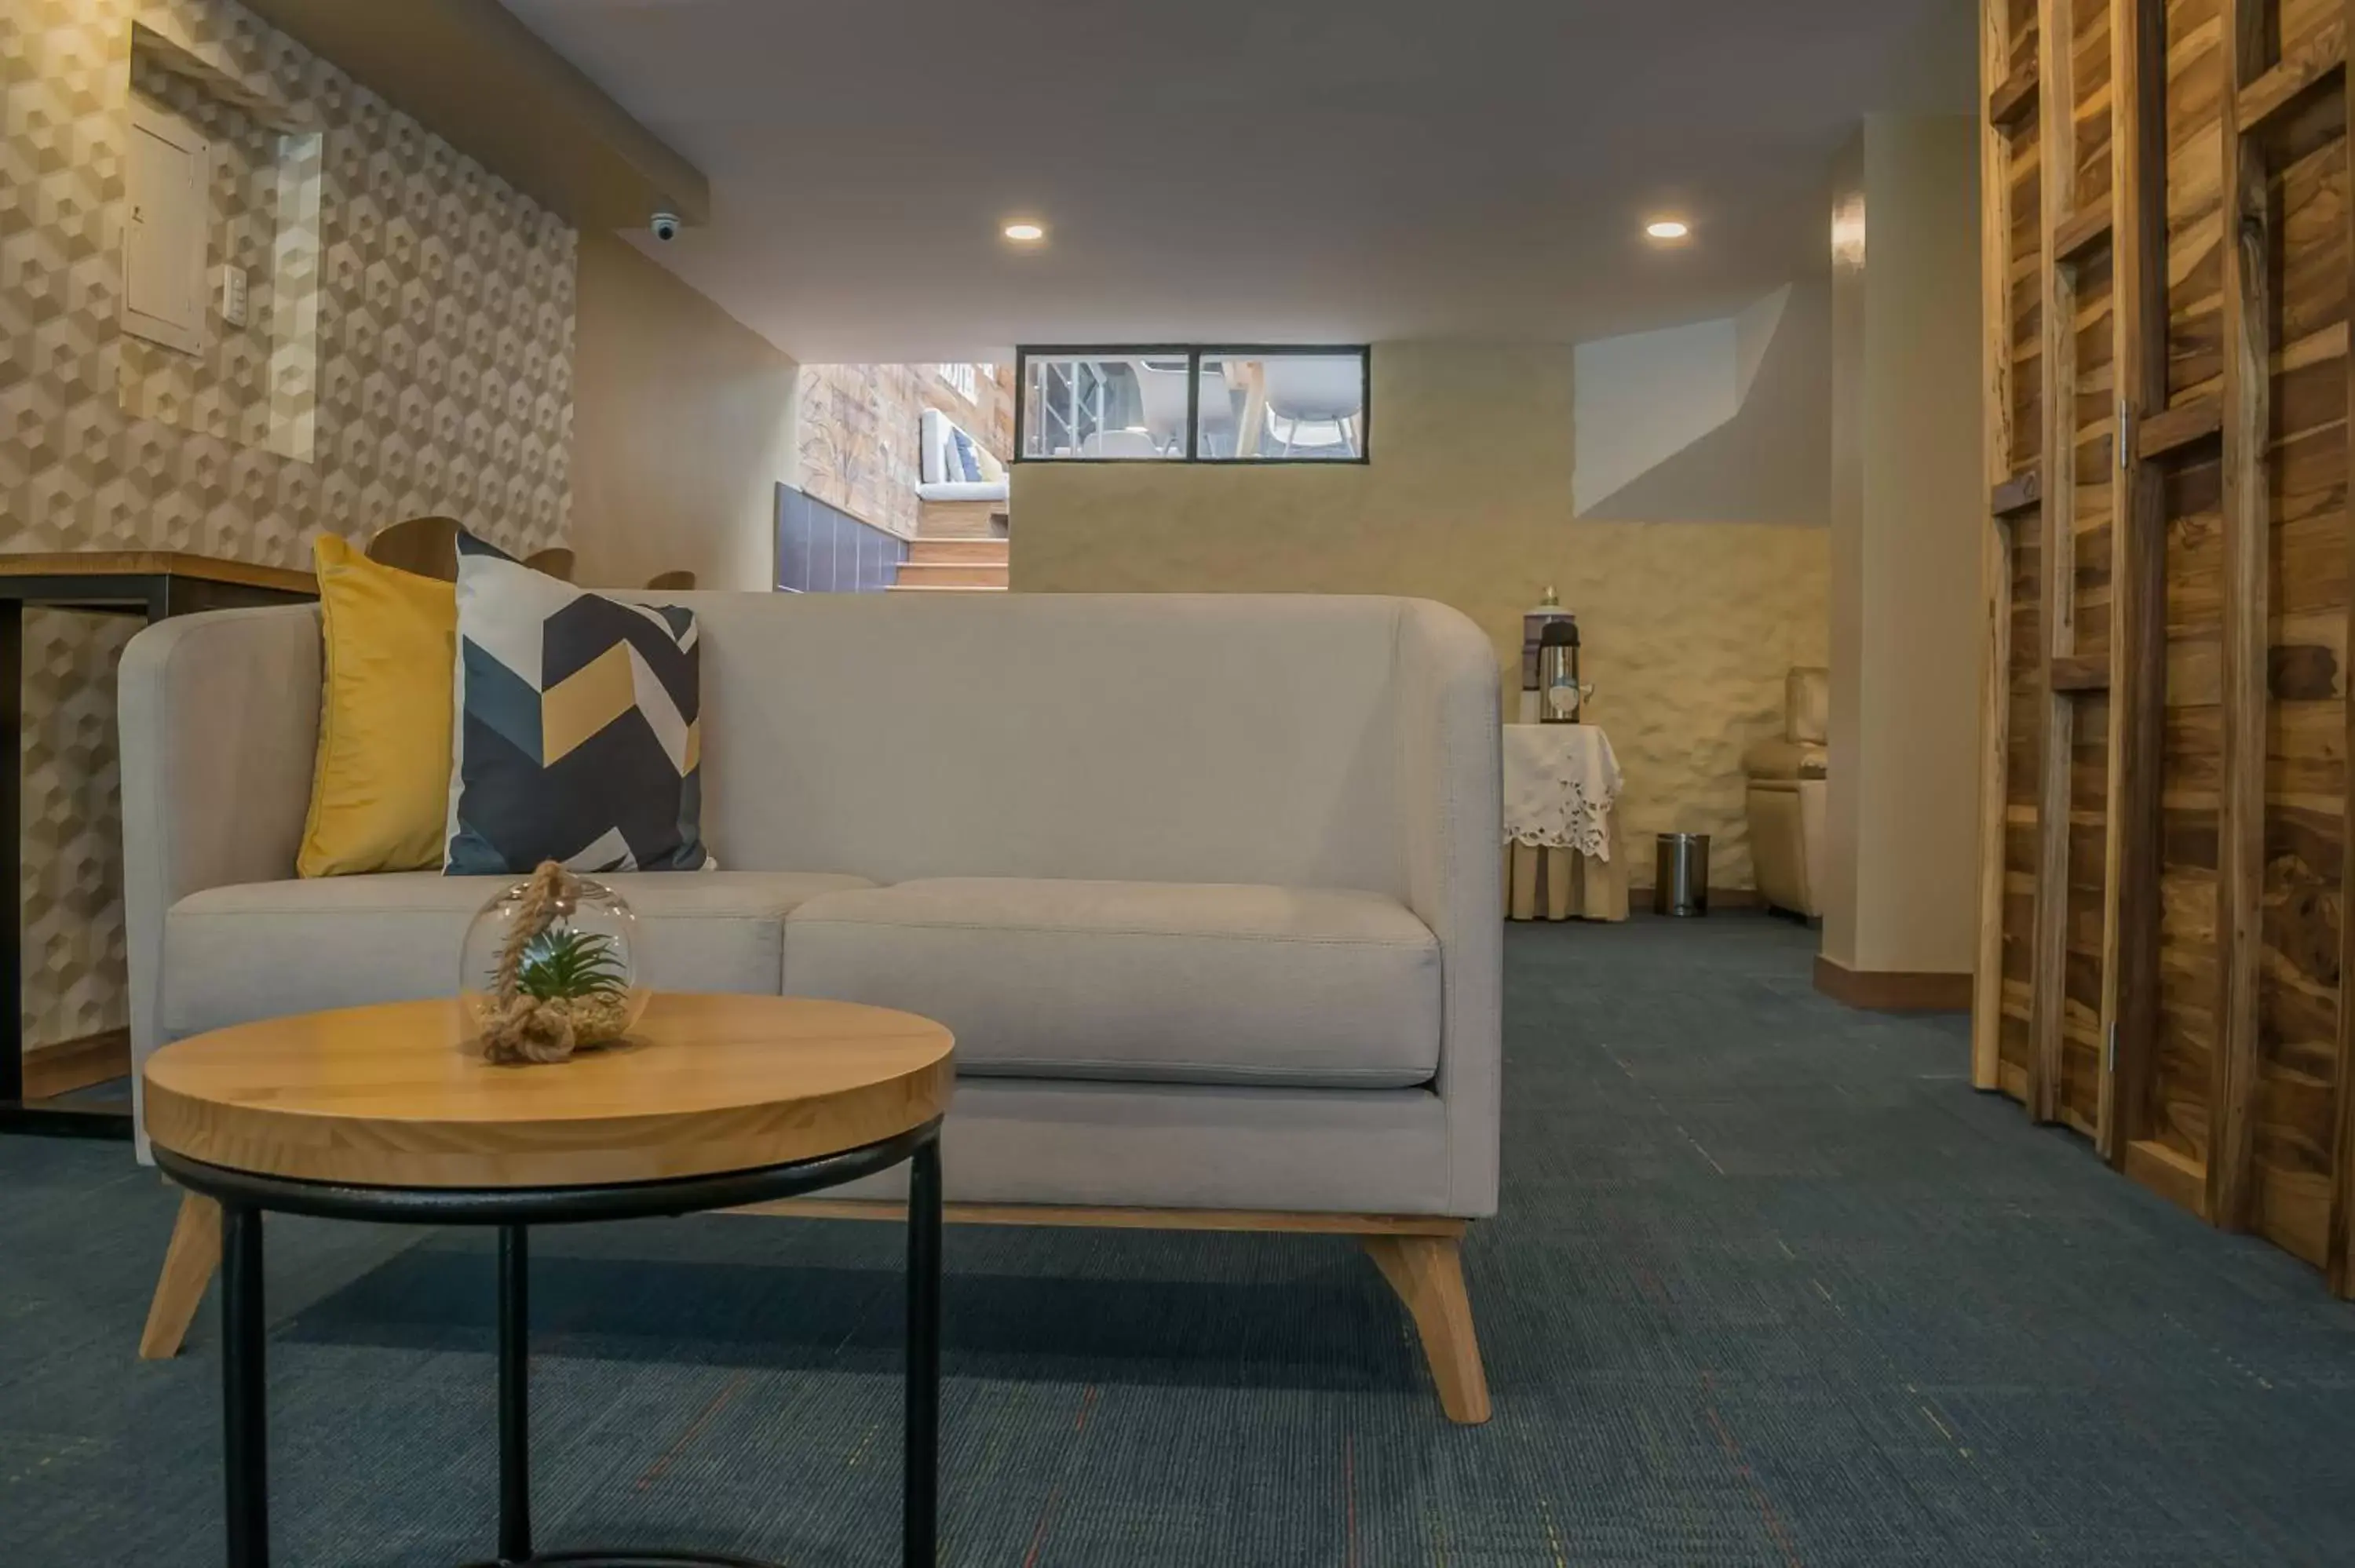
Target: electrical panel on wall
point(168, 176)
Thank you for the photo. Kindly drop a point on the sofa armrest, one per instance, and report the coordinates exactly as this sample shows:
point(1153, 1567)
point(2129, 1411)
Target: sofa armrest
point(220, 721)
point(1451, 804)
point(1778, 758)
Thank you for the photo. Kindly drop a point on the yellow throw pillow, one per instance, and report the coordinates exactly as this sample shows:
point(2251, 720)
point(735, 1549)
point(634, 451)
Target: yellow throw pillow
point(380, 792)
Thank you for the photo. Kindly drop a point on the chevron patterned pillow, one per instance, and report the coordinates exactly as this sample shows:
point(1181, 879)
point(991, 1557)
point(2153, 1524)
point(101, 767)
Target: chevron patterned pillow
point(577, 736)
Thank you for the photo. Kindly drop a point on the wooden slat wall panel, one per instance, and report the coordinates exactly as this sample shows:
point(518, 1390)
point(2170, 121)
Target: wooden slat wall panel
point(2078, 1099)
point(2022, 28)
point(2296, 1070)
point(2297, 21)
point(2195, 258)
point(2025, 308)
point(2174, 1115)
point(2089, 78)
point(1993, 1005)
point(2004, 1050)
point(2097, 466)
point(2056, 127)
point(2090, 411)
point(2338, 1245)
point(2190, 775)
point(2209, 572)
point(2022, 811)
point(2138, 659)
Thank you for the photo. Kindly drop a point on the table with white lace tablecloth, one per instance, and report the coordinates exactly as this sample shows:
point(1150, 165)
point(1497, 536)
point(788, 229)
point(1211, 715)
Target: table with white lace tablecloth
point(1562, 857)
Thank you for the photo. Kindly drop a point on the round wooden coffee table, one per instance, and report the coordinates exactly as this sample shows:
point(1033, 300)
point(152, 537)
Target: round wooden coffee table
point(379, 1113)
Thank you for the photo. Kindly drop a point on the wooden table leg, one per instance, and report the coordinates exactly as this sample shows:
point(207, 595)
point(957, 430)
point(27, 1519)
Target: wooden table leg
point(1427, 1272)
point(188, 1264)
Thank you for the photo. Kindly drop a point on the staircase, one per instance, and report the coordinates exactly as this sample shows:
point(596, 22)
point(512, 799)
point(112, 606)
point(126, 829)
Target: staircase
point(952, 566)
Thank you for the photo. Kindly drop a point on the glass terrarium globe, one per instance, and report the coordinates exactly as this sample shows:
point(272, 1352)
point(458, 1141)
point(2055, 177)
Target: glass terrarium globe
point(576, 952)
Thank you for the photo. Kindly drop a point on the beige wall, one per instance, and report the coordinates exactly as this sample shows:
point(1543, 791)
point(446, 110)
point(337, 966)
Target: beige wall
point(1907, 501)
point(1688, 628)
point(439, 369)
point(683, 424)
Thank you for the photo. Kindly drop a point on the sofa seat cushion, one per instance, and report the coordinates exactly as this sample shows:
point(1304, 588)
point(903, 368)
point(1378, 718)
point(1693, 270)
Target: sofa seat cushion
point(1163, 982)
point(266, 949)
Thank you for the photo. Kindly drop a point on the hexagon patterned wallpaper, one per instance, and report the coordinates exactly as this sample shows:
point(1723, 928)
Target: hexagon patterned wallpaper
point(443, 359)
point(257, 387)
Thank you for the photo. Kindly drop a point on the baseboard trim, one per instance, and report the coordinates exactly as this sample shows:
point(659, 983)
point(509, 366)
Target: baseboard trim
point(1893, 990)
point(62, 1066)
point(1639, 899)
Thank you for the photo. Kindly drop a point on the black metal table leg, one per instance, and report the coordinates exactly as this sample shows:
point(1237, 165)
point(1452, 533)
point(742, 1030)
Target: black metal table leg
point(515, 1395)
point(919, 1475)
point(245, 1194)
point(244, 1388)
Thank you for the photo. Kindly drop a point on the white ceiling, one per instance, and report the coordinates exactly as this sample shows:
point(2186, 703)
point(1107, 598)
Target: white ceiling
point(1251, 170)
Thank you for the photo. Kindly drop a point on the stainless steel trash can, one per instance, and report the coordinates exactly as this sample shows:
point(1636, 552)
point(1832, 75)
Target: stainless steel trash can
point(1680, 874)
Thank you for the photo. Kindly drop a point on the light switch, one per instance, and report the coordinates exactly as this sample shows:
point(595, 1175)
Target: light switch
point(230, 295)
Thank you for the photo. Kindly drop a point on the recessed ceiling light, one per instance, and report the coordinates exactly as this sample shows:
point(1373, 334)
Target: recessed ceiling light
point(1668, 228)
point(1025, 233)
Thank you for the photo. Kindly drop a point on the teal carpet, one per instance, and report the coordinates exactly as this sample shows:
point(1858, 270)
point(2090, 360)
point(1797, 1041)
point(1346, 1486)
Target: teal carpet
point(1771, 1285)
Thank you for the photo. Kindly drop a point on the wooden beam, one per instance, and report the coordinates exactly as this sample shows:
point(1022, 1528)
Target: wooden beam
point(2082, 231)
point(2081, 673)
point(2136, 850)
point(476, 75)
point(1995, 554)
point(2172, 430)
point(2014, 99)
point(2247, 247)
point(2022, 492)
point(2260, 105)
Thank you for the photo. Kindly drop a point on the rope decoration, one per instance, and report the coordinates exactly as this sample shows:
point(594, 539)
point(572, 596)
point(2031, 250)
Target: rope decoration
point(585, 1004)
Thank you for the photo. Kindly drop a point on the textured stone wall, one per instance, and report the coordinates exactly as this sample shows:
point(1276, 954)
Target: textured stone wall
point(861, 433)
point(442, 373)
point(1689, 629)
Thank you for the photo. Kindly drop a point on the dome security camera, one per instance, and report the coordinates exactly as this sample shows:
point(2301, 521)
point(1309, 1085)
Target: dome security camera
point(665, 226)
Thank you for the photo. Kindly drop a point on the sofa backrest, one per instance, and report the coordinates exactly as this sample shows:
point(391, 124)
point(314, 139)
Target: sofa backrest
point(1188, 738)
point(937, 460)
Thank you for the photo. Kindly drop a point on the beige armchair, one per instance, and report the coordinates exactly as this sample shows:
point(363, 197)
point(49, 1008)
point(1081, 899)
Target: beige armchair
point(1788, 792)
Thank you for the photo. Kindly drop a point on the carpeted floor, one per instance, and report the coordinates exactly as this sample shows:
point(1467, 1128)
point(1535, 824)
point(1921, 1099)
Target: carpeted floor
point(1771, 1286)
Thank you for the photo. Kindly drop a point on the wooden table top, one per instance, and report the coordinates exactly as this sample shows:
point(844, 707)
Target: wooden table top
point(391, 1096)
point(153, 564)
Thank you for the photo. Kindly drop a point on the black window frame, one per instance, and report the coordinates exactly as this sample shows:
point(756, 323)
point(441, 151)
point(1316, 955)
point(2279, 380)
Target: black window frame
point(1194, 354)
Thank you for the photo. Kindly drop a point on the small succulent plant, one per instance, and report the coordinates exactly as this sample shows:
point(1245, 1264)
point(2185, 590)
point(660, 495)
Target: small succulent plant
point(567, 966)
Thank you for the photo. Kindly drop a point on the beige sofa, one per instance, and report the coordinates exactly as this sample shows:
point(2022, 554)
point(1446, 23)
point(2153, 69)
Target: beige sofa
point(1789, 791)
point(1206, 887)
